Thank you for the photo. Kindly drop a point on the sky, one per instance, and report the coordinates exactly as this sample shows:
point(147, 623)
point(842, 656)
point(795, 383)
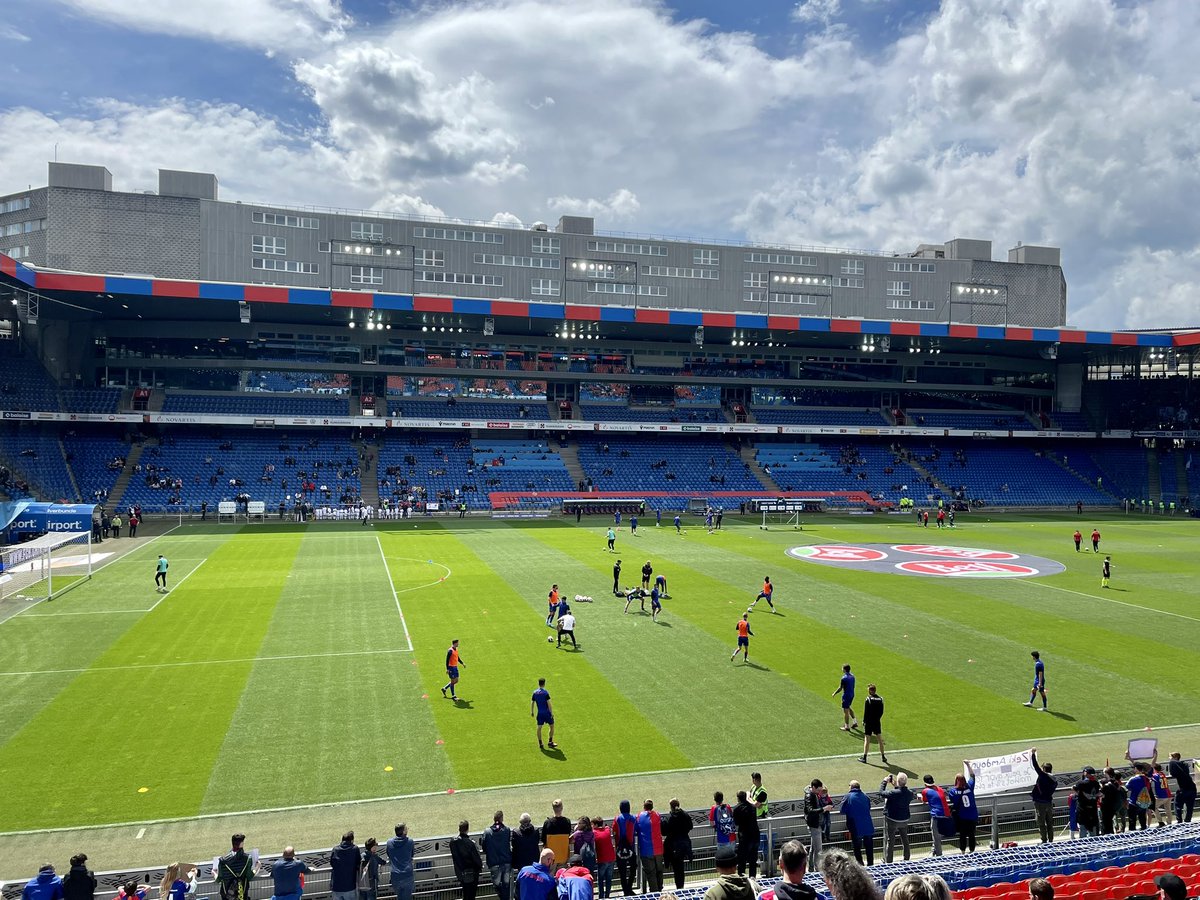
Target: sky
point(876, 124)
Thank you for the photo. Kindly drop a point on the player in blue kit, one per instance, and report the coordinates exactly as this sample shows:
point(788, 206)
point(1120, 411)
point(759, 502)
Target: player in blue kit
point(660, 582)
point(541, 707)
point(655, 604)
point(1039, 680)
point(846, 689)
point(632, 526)
point(678, 528)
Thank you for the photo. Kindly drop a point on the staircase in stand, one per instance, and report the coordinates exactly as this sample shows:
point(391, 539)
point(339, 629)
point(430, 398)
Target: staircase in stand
point(569, 454)
point(1153, 477)
point(1181, 475)
point(118, 489)
point(938, 485)
point(70, 472)
point(748, 457)
point(368, 472)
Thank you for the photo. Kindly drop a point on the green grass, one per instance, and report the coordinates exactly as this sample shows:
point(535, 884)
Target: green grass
point(278, 671)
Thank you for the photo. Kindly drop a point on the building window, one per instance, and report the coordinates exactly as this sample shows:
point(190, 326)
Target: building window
point(366, 275)
point(926, 267)
point(266, 218)
point(543, 287)
point(845, 282)
point(16, 252)
point(366, 231)
point(651, 290)
point(680, 272)
point(285, 265)
point(458, 234)
point(16, 205)
point(755, 280)
point(22, 227)
point(852, 267)
point(625, 247)
point(754, 296)
point(910, 304)
point(528, 262)
point(899, 288)
point(459, 278)
point(265, 243)
point(802, 299)
point(545, 244)
point(780, 259)
point(608, 287)
point(706, 257)
point(423, 257)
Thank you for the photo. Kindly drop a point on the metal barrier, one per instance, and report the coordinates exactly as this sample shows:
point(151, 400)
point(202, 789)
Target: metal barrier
point(1007, 817)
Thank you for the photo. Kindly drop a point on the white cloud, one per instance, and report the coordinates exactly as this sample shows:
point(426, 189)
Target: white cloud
point(8, 33)
point(818, 11)
point(621, 205)
point(270, 24)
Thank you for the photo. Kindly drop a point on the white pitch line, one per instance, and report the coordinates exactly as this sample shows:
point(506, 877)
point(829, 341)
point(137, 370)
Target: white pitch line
point(1146, 609)
point(202, 662)
point(177, 586)
point(533, 784)
point(140, 834)
point(90, 612)
point(395, 596)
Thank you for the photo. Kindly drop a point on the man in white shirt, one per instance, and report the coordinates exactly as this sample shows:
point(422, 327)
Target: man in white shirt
point(566, 628)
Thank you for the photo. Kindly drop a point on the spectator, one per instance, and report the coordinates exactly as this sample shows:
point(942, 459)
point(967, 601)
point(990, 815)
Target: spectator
point(1087, 799)
point(731, 884)
point(1170, 887)
point(857, 808)
point(745, 819)
point(721, 817)
point(285, 875)
point(44, 886)
point(525, 842)
point(234, 871)
point(897, 814)
point(368, 879)
point(173, 886)
point(131, 890)
point(817, 806)
point(1112, 799)
point(344, 863)
point(677, 845)
point(1162, 794)
point(966, 813)
point(918, 887)
point(606, 857)
point(535, 882)
point(625, 836)
point(1043, 797)
point(467, 862)
point(575, 881)
point(793, 861)
point(80, 882)
point(1141, 796)
point(1040, 889)
point(940, 821)
point(557, 824)
point(497, 848)
point(583, 844)
point(400, 862)
point(846, 879)
point(1185, 787)
point(650, 847)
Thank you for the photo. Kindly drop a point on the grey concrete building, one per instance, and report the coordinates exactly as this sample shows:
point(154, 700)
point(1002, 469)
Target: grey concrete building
point(77, 222)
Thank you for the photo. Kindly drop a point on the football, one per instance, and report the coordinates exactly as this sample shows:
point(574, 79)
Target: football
point(549, 639)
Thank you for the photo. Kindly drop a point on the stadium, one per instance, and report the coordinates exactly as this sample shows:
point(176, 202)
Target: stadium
point(356, 437)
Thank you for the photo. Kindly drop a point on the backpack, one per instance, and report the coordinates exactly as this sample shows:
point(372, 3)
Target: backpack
point(1145, 796)
point(723, 821)
point(587, 853)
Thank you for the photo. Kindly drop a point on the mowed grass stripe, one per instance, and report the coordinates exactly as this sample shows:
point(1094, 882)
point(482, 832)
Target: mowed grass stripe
point(490, 738)
point(814, 636)
point(311, 716)
point(117, 731)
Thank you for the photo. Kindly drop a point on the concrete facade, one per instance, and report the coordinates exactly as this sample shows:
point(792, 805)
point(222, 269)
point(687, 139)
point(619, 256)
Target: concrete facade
point(90, 228)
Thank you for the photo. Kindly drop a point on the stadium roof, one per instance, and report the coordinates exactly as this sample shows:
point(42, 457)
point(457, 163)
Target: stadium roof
point(87, 296)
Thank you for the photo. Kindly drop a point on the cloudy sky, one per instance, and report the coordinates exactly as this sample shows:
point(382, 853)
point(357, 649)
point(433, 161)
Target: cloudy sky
point(877, 124)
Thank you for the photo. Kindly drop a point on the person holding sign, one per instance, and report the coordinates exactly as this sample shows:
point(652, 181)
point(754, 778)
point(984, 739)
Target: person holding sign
point(1039, 680)
point(1043, 797)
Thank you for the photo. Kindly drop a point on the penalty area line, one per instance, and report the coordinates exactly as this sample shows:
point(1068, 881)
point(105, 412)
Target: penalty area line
point(533, 784)
point(395, 596)
point(1147, 609)
point(92, 670)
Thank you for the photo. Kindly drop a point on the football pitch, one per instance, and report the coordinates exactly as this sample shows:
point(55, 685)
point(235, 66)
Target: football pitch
point(293, 665)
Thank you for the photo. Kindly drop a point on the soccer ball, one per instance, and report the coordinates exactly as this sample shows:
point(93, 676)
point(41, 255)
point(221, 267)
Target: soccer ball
point(549, 639)
point(749, 609)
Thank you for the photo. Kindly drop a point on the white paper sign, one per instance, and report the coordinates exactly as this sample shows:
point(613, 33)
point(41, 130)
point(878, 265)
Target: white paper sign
point(997, 774)
point(1143, 748)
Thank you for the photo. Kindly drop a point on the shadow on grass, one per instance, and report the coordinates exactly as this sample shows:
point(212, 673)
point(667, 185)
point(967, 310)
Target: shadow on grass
point(460, 703)
point(555, 753)
point(1060, 715)
point(664, 624)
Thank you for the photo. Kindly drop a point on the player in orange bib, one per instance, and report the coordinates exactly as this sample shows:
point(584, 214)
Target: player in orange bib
point(768, 590)
point(744, 634)
point(453, 661)
point(552, 599)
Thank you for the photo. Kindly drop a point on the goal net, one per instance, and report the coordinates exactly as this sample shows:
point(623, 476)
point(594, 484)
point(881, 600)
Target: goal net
point(45, 567)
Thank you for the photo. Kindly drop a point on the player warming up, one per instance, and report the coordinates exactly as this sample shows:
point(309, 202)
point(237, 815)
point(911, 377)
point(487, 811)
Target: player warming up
point(846, 689)
point(767, 592)
point(160, 574)
point(453, 661)
point(1095, 540)
point(635, 594)
point(552, 599)
point(744, 634)
point(541, 707)
point(1039, 680)
point(1106, 571)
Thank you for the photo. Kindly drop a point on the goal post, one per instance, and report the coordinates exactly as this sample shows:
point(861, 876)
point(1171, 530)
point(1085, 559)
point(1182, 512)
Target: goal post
point(785, 512)
point(45, 567)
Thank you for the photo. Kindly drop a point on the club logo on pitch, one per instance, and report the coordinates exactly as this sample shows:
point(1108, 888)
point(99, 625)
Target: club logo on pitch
point(838, 553)
point(928, 560)
point(955, 552)
point(964, 568)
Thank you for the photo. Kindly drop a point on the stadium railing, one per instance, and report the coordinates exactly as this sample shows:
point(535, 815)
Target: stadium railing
point(1006, 818)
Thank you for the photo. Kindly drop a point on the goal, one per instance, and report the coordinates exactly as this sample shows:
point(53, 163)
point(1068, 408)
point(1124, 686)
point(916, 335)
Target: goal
point(784, 512)
point(45, 567)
